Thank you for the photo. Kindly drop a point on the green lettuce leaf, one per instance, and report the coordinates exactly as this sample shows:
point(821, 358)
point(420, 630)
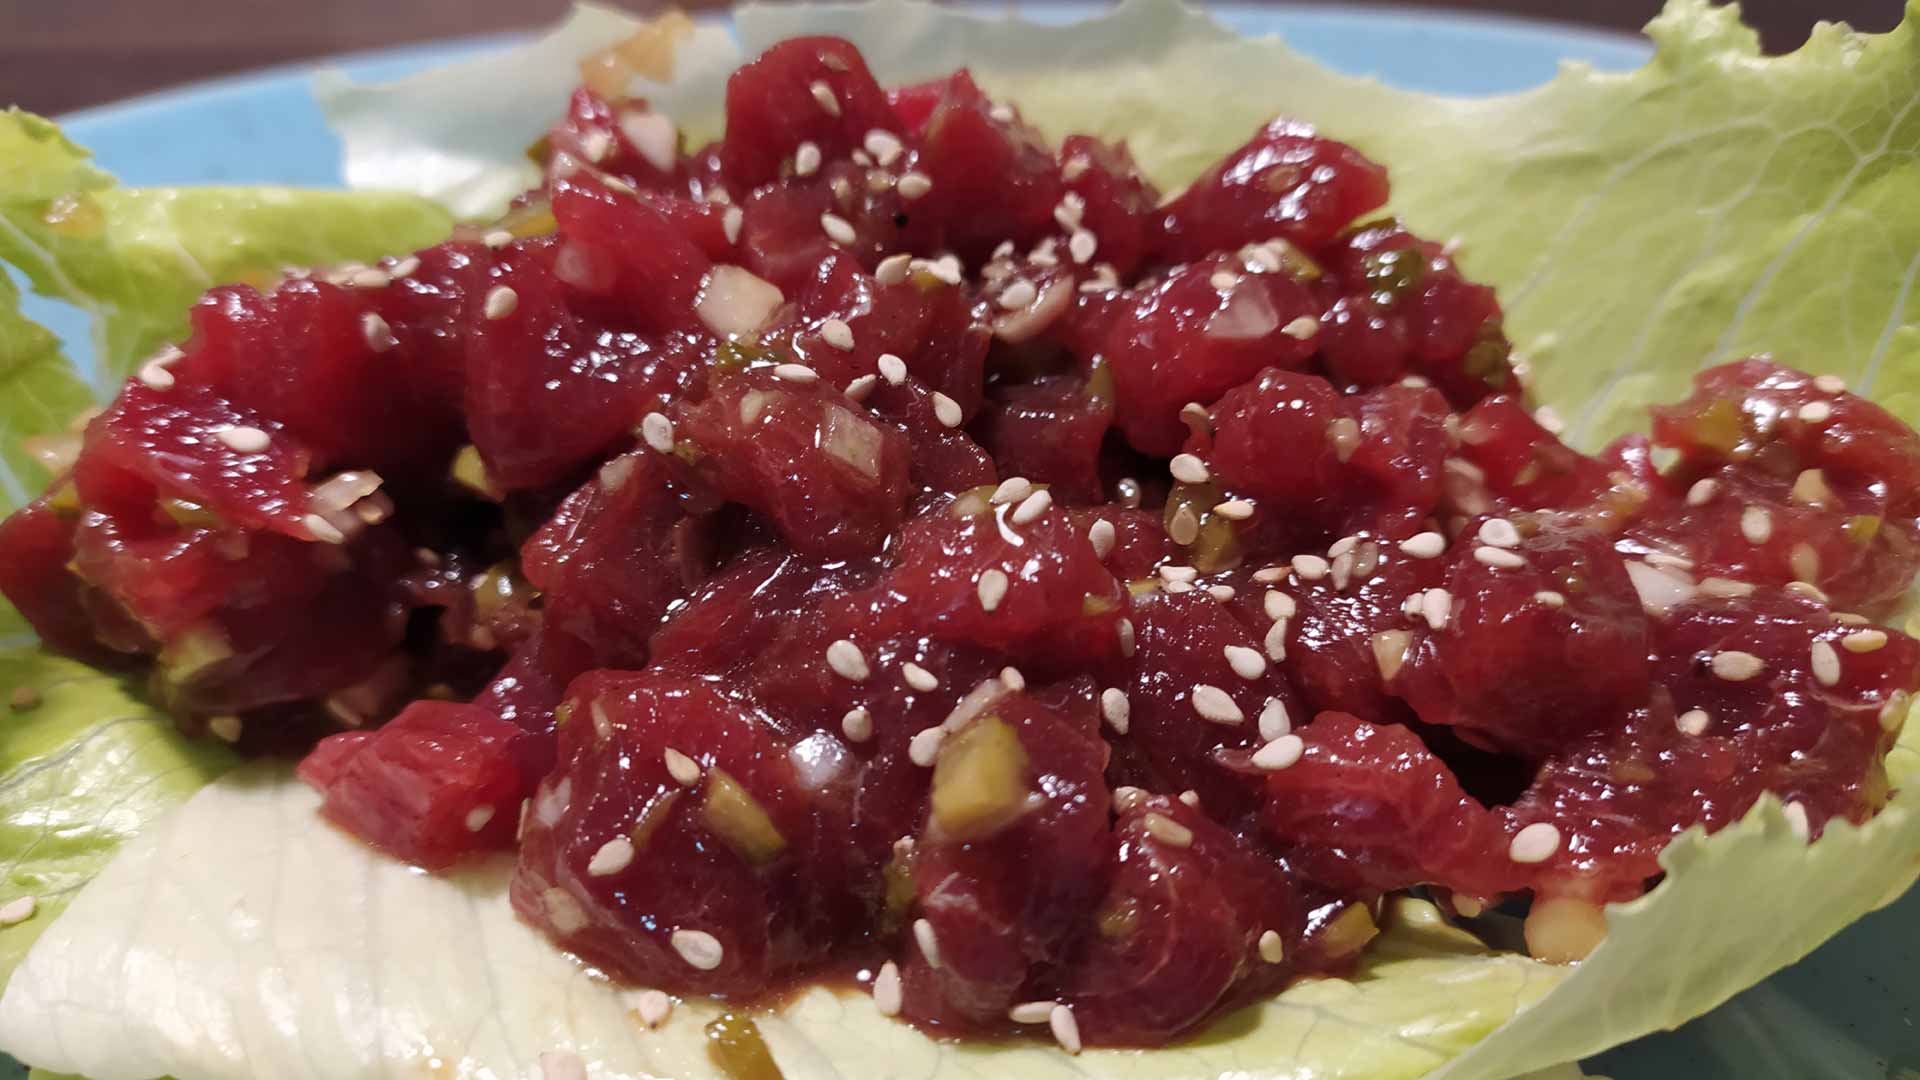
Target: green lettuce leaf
point(1639, 226)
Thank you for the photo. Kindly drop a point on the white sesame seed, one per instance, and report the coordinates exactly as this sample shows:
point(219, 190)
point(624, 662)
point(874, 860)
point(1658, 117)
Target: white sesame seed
point(478, 817)
point(924, 748)
point(1389, 651)
point(155, 376)
point(1810, 487)
point(1756, 524)
point(1190, 797)
point(563, 911)
point(913, 185)
point(862, 388)
point(654, 1007)
point(614, 856)
point(1010, 490)
point(924, 937)
point(698, 948)
point(1702, 492)
point(1081, 246)
point(1500, 533)
point(806, 159)
point(837, 333)
point(1066, 1030)
point(823, 94)
point(886, 990)
point(1310, 567)
point(1301, 327)
point(375, 331)
point(1223, 279)
point(497, 238)
point(1274, 721)
point(1272, 949)
point(1031, 1012)
point(1894, 713)
point(1281, 753)
point(1534, 844)
point(1246, 663)
point(857, 725)
point(885, 146)
point(1032, 507)
point(946, 268)
point(1436, 606)
point(847, 661)
point(1275, 641)
point(1796, 814)
point(992, 588)
point(1011, 678)
point(1167, 831)
point(1499, 558)
point(1234, 509)
point(1808, 590)
point(893, 369)
point(1344, 436)
point(1188, 469)
point(795, 373)
point(1693, 722)
point(1018, 295)
point(1176, 588)
point(1826, 663)
point(1213, 703)
point(1222, 593)
point(323, 530)
point(1725, 587)
point(227, 728)
point(1071, 208)
point(1343, 571)
point(1342, 546)
point(918, 677)
point(947, 411)
point(1172, 572)
point(1426, 545)
point(1116, 709)
point(243, 439)
point(1864, 641)
point(500, 302)
point(684, 770)
point(893, 269)
point(368, 277)
point(1126, 799)
point(657, 431)
point(1124, 630)
point(1001, 114)
point(1551, 598)
point(1732, 665)
point(1278, 605)
point(1830, 384)
point(837, 228)
point(1816, 412)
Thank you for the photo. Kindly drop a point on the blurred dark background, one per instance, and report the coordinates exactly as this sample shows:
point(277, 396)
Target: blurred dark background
point(60, 55)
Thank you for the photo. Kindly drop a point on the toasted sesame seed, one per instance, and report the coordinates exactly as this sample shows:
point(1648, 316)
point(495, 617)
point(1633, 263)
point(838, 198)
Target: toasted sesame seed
point(653, 1007)
point(1344, 436)
point(913, 185)
point(1281, 753)
point(1804, 561)
point(862, 388)
point(886, 990)
point(1010, 490)
point(837, 333)
point(613, 856)
point(1534, 844)
point(1500, 533)
point(1234, 509)
point(1342, 546)
point(795, 373)
point(698, 948)
point(918, 677)
point(1830, 384)
point(893, 369)
point(1756, 524)
point(1864, 641)
point(1066, 1030)
point(684, 770)
point(323, 530)
point(1184, 529)
point(1173, 572)
point(1278, 605)
point(1270, 575)
point(1275, 641)
point(1223, 279)
point(1732, 665)
point(375, 331)
point(1816, 412)
point(1272, 949)
point(1011, 678)
point(1246, 663)
point(893, 269)
point(227, 727)
point(1499, 558)
point(1018, 295)
point(1809, 590)
point(1031, 1012)
point(497, 238)
point(1301, 327)
point(1693, 722)
point(885, 146)
point(924, 748)
point(1176, 588)
point(1188, 469)
point(1702, 492)
point(657, 432)
point(1725, 587)
point(1551, 598)
point(992, 588)
point(1213, 703)
point(946, 410)
point(1810, 487)
point(1081, 246)
point(823, 94)
point(837, 228)
point(1343, 570)
point(1274, 721)
point(924, 937)
point(243, 439)
point(1124, 630)
point(1436, 606)
point(857, 725)
point(1826, 663)
point(1426, 545)
point(478, 817)
point(847, 661)
point(1116, 709)
point(1167, 831)
point(500, 302)
point(1101, 535)
point(1222, 593)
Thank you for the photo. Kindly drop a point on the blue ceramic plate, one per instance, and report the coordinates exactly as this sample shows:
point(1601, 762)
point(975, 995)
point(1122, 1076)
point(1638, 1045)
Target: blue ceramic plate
point(1846, 1013)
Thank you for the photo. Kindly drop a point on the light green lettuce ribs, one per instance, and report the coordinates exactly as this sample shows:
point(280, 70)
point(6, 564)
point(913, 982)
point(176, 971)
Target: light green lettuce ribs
point(1638, 226)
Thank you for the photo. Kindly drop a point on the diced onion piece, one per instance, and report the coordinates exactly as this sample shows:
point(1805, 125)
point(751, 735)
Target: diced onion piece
point(733, 302)
point(852, 440)
point(1247, 315)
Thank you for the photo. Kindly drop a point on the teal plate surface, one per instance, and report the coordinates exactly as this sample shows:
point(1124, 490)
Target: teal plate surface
point(1848, 1012)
